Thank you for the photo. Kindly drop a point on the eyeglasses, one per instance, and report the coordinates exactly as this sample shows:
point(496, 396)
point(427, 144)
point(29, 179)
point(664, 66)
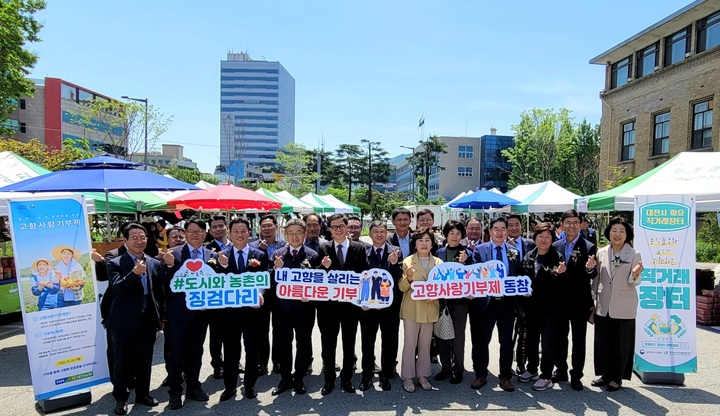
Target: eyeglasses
point(338, 227)
point(195, 232)
point(295, 235)
point(571, 223)
point(138, 238)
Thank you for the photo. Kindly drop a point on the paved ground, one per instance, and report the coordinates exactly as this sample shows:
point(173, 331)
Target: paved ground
point(699, 396)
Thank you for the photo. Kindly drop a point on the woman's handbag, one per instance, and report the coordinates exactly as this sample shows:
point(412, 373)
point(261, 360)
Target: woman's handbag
point(443, 328)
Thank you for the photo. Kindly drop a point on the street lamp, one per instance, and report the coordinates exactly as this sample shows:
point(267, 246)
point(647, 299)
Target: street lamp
point(412, 183)
point(142, 100)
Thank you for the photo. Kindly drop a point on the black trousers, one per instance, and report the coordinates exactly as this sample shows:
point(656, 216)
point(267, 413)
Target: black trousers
point(614, 348)
point(577, 320)
point(237, 323)
point(185, 338)
point(549, 336)
point(293, 319)
point(452, 351)
point(133, 353)
point(500, 313)
point(332, 316)
point(388, 321)
point(215, 323)
point(533, 323)
point(263, 315)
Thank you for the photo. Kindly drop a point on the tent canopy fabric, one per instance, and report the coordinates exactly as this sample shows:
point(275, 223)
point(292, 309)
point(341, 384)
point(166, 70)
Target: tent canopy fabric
point(688, 173)
point(295, 202)
point(483, 199)
point(285, 207)
point(225, 198)
point(542, 197)
point(339, 206)
point(319, 205)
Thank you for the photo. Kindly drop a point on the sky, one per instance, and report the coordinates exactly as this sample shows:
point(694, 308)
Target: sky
point(363, 69)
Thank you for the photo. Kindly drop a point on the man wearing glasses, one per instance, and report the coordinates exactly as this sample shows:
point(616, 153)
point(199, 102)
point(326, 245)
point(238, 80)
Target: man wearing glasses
point(312, 232)
point(186, 329)
point(339, 254)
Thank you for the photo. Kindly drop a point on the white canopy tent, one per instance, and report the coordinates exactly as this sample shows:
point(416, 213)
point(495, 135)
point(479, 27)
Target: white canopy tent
point(542, 197)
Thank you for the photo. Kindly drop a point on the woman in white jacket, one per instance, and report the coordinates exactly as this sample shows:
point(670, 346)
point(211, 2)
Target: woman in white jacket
point(619, 272)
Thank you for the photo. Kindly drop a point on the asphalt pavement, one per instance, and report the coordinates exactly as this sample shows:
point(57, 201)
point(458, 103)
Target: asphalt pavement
point(699, 396)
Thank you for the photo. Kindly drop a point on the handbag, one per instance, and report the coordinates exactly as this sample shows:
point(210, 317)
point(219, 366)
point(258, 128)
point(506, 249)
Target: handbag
point(443, 328)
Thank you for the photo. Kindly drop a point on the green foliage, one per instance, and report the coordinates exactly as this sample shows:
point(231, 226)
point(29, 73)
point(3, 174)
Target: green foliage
point(190, 176)
point(708, 239)
point(51, 159)
point(549, 147)
point(294, 160)
point(329, 169)
point(616, 177)
point(425, 160)
point(18, 27)
point(349, 159)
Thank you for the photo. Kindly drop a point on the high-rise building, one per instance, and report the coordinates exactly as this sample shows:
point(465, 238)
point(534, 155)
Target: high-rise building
point(494, 167)
point(54, 114)
point(257, 112)
point(660, 89)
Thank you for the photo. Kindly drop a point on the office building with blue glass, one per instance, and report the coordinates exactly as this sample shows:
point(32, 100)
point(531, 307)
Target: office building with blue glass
point(257, 112)
point(494, 167)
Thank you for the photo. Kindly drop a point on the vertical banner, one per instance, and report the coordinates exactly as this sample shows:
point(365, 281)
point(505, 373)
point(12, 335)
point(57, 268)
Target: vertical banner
point(58, 296)
point(665, 325)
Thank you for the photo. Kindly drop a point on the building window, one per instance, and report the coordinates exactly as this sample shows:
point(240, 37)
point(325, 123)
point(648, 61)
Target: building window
point(465, 171)
point(628, 141)
point(661, 135)
point(23, 127)
point(676, 46)
point(702, 124)
point(708, 32)
point(22, 103)
point(465, 152)
point(647, 60)
point(621, 72)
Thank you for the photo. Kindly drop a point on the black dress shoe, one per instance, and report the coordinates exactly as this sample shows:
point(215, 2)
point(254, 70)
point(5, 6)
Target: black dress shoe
point(276, 368)
point(282, 387)
point(218, 373)
point(147, 400)
point(227, 394)
point(612, 387)
point(165, 382)
point(365, 384)
point(300, 387)
point(347, 386)
point(456, 379)
point(250, 393)
point(576, 385)
point(385, 384)
point(443, 375)
point(120, 408)
point(175, 403)
point(599, 382)
point(327, 389)
point(558, 377)
point(197, 394)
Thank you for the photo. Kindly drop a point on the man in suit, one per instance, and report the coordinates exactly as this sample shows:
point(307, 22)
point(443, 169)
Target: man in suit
point(381, 255)
point(474, 236)
point(580, 258)
point(186, 329)
point(135, 316)
point(586, 231)
point(218, 231)
point(241, 322)
point(175, 238)
point(296, 316)
point(486, 313)
point(313, 239)
point(354, 228)
point(523, 246)
point(268, 244)
point(339, 254)
point(401, 218)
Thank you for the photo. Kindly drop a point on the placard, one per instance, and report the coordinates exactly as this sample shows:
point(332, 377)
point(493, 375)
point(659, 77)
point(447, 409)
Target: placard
point(451, 280)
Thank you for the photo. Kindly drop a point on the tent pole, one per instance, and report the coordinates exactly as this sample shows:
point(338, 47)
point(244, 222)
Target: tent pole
point(107, 215)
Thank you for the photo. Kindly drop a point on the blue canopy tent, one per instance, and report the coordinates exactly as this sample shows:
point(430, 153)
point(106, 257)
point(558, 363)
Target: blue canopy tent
point(483, 199)
point(100, 174)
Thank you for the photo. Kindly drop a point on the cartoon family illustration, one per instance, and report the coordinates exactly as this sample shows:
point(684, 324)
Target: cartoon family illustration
point(375, 288)
point(61, 284)
point(456, 271)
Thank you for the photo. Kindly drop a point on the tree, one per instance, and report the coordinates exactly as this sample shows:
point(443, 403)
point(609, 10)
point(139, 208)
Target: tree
point(426, 161)
point(190, 176)
point(293, 160)
point(329, 170)
point(17, 28)
point(54, 159)
point(350, 160)
point(119, 126)
point(376, 166)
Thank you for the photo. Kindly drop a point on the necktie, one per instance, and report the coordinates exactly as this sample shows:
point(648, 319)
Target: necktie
point(240, 260)
point(143, 279)
point(341, 260)
point(379, 253)
point(498, 253)
point(196, 254)
point(294, 253)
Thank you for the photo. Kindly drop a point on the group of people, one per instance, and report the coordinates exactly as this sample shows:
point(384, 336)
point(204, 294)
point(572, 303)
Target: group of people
point(59, 284)
point(572, 283)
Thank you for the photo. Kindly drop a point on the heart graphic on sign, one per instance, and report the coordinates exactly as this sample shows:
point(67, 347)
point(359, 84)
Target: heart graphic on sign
point(194, 266)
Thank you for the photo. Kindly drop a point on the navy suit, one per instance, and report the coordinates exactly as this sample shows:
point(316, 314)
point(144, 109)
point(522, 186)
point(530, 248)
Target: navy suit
point(486, 313)
point(106, 299)
point(241, 322)
point(186, 329)
point(133, 320)
point(387, 319)
point(578, 303)
point(215, 320)
point(294, 316)
point(332, 315)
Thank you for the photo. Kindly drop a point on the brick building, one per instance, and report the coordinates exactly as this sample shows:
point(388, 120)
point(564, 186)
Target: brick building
point(660, 87)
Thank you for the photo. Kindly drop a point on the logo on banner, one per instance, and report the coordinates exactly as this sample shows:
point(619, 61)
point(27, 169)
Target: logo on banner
point(454, 280)
point(665, 216)
point(205, 288)
point(372, 289)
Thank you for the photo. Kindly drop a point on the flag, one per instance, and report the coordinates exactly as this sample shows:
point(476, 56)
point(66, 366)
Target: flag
point(422, 120)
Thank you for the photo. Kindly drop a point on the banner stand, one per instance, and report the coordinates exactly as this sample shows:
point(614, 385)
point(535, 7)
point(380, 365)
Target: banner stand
point(63, 401)
point(649, 377)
